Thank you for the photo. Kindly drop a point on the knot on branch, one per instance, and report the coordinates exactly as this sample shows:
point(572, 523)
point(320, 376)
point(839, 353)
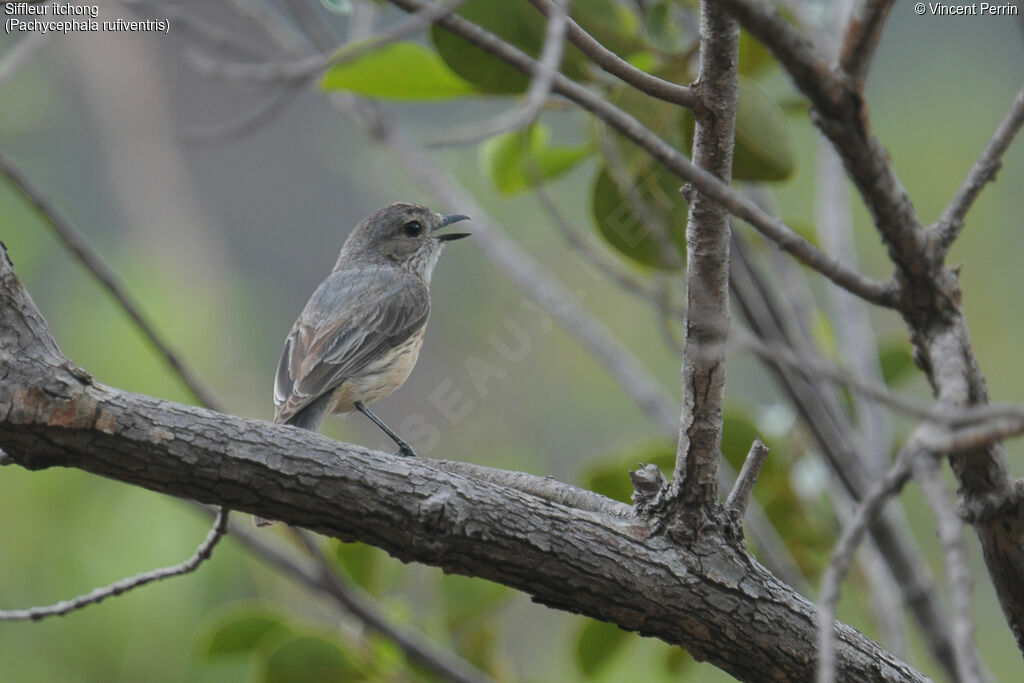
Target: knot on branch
point(648, 485)
point(1006, 506)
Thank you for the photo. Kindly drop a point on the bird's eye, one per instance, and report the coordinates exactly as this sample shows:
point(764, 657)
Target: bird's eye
point(412, 229)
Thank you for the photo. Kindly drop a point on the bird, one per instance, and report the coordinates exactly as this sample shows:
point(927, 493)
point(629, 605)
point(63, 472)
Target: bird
point(360, 333)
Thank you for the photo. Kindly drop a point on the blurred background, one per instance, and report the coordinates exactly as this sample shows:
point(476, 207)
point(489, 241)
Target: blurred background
point(222, 240)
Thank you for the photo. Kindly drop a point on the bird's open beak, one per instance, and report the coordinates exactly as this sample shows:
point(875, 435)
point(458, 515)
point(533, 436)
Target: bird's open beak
point(448, 220)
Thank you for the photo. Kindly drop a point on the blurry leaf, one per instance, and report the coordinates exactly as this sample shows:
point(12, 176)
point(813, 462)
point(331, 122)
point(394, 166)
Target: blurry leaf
point(466, 599)
point(804, 525)
point(754, 57)
point(481, 645)
point(896, 361)
point(405, 71)
point(823, 334)
point(514, 21)
point(597, 643)
point(738, 433)
point(678, 661)
point(515, 160)
point(310, 659)
point(611, 23)
point(523, 26)
point(623, 229)
point(764, 149)
point(238, 628)
point(366, 565)
point(662, 118)
point(610, 476)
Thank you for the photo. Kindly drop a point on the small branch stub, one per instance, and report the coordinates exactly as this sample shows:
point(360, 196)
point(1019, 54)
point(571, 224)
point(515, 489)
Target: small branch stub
point(739, 497)
point(648, 483)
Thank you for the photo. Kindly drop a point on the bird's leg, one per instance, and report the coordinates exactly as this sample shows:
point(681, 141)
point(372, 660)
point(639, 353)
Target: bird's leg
point(403, 447)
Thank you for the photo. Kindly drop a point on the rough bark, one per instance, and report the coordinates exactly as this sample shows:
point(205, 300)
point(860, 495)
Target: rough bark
point(709, 596)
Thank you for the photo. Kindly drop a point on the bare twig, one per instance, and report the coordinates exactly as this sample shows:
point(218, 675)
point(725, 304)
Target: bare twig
point(949, 225)
point(773, 228)
point(958, 575)
point(862, 34)
point(620, 68)
point(842, 556)
point(540, 88)
point(75, 242)
point(739, 497)
point(132, 582)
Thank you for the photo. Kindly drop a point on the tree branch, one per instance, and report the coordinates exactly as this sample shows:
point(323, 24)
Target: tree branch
point(949, 225)
point(61, 608)
point(881, 293)
point(695, 485)
point(862, 35)
point(620, 68)
point(607, 567)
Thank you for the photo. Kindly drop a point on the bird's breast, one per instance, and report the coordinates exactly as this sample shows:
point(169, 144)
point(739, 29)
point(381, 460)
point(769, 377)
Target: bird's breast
point(379, 377)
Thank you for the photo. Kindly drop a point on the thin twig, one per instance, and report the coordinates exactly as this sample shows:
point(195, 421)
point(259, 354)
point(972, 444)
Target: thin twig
point(739, 497)
point(78, 246)
point(861, 39)
point(842, 555)
point(880, 293)
point(949, 225)
point(540, 88)
point(620, 68)
point(132, 582)
point(958, 575)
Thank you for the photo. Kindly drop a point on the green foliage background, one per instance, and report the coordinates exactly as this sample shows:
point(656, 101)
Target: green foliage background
point(275, 207)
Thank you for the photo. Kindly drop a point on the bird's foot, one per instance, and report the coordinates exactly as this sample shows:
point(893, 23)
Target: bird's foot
point(406, 451)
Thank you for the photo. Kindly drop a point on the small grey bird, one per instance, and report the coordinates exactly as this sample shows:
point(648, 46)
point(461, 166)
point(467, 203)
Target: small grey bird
point(360, 334)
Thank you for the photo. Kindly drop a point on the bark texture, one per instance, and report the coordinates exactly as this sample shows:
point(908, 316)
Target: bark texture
point(709, 595)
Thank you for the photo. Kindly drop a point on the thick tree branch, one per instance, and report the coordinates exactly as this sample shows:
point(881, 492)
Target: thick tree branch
point(607, 567)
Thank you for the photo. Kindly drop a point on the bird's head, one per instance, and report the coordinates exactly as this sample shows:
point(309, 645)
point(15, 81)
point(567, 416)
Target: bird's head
point(404, 234)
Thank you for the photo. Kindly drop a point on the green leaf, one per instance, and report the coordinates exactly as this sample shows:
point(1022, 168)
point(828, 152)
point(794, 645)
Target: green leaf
point(627, 231)
point(466, 599)
point(401, 71)
point(239, 628)
point(764, 148)
point(310, 659)
point(367, 566)
point(754, 56)
point(597, 642)
point(521, 25)
point(609, 476)
point(516, 161)
point(510, 20)
point(678, 661)
point(896, 361)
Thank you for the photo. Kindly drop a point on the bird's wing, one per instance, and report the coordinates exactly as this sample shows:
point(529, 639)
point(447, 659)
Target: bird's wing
point(353, 317)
